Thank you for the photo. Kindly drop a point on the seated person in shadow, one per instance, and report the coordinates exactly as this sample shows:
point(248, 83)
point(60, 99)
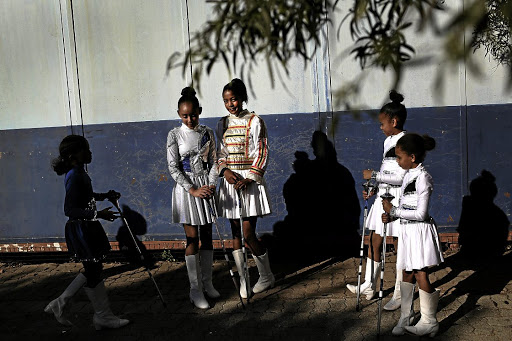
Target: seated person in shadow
point(139, 227)
point(483, 226)
point(323, 208)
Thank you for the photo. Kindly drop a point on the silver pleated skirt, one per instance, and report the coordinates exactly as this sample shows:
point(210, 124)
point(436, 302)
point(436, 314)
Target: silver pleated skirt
point(418, 246)
point(255, 202)
point(374, 220)
point(187, 209)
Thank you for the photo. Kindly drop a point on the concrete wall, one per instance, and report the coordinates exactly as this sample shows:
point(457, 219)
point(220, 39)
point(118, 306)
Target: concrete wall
point(98, 68)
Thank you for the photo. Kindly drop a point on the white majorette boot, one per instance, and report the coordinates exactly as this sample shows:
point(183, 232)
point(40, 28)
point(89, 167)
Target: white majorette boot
point(239, 261)
point(196, 285)
point(428, 322)
point(370, 280)
point(407, 311)
point(266, 279)
point(56, 307)
point(206, 261)
point(394, 302)
point(103, 316)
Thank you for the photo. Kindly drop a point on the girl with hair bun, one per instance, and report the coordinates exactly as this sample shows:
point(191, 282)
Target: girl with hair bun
point(243, 157)
point(392, 118)
point(192, 162)
point(418, 242)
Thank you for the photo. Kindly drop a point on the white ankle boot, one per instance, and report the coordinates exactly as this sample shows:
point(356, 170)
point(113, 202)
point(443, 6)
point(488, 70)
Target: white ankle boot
point(394, 302)
point(370, 280)
point(206, 260)
point(103, 316)
point(56, 307)
point(428, 322)
point(266, 279)
point(407, 311)
point(239, 261)
point(196, 285)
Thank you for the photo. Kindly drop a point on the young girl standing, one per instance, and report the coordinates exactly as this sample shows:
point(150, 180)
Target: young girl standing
point(191, 158)
point(418, 240)
point(85, 236)
point(392, 119)
point(243, 157)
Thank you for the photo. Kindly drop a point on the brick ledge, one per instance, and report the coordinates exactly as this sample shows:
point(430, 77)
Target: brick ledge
point(450, 239)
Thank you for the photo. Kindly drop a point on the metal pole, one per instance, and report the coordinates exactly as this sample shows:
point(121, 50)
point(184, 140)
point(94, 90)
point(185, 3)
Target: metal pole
point(386, 196)
point(244, 251)
point(116, 204)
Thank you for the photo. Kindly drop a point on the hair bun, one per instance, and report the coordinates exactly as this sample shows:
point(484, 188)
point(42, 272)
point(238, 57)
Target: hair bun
point(395, 96)
point(428, 142)
point(188, 92)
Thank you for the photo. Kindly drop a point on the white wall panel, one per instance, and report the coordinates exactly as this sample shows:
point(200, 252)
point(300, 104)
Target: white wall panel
point(490, 85)
point(32, 66)
point(122, 49)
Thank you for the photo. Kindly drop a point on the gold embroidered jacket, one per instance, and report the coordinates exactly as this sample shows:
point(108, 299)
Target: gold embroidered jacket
point(242, 144)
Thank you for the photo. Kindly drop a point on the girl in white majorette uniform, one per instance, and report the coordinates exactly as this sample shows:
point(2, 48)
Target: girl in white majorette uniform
point(418, 242)
point(392, 118)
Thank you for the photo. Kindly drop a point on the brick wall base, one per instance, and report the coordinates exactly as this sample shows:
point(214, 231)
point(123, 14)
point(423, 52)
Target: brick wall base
point(449, 239)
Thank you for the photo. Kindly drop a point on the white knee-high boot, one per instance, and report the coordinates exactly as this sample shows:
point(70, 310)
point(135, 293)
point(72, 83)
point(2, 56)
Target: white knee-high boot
point(407, 311)
point(394, 302)
point(239, 261)
point(103, 316)
point(428, 322)
point(196, 285)
point(56, 307)
point(266, 279)
point(206, 260)
point(370, 280)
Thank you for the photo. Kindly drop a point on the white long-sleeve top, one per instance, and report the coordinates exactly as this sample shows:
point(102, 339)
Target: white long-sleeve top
point(415, 194)
point(390, 172)
point(192, 153)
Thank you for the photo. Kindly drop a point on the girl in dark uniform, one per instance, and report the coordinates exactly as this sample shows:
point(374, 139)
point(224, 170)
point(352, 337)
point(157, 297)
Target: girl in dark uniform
point(85, 237)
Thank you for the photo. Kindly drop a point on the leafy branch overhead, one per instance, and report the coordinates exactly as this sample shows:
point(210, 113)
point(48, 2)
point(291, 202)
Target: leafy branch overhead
point(269, 31)
point(244, 33)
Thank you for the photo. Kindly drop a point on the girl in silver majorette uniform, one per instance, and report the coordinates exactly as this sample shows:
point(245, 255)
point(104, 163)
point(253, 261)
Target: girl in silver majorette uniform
point(418, 242)
point(392, 118)
point(243, 158)
point(191, 158)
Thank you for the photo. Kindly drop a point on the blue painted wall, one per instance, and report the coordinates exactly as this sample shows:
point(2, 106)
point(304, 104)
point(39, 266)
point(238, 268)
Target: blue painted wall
point(131, 158)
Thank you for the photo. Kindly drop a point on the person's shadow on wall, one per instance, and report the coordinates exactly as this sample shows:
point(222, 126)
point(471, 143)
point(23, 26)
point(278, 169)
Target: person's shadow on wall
point(483, 231)
point(323, 209)
point(138, 227)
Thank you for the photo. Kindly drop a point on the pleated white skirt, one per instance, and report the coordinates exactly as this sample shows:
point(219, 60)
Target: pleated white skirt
point(374, 220)
point(255, 202)
point(187, 209)
point(419, 246)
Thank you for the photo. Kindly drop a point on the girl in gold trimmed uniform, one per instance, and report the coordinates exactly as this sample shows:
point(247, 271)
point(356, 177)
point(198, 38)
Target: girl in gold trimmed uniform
point(242, 160)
